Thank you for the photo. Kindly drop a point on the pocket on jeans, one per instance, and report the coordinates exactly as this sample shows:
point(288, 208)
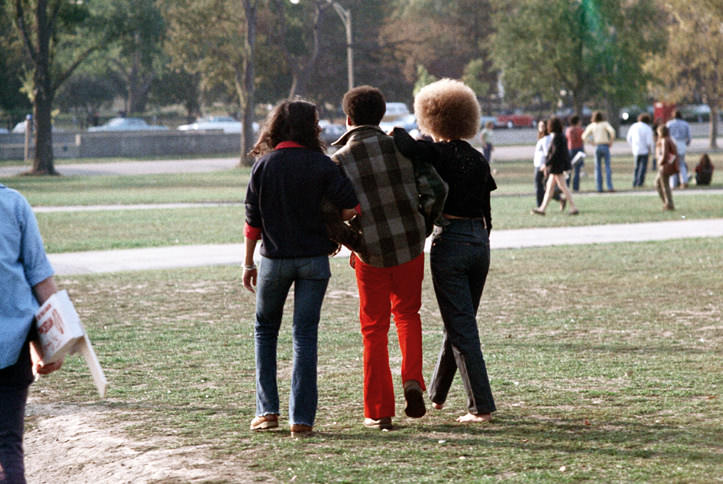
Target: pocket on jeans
point(315, 268)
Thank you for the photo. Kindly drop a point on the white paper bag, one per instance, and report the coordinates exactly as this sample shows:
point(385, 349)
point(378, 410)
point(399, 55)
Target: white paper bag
point(59, 328)
point(60, 333)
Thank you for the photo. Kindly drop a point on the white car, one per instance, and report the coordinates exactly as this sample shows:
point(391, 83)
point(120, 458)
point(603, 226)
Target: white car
point(126, 124)
point(227, 124)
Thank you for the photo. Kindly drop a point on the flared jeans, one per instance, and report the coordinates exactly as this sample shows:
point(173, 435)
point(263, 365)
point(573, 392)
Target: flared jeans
point(460, 259)
point(310, 277)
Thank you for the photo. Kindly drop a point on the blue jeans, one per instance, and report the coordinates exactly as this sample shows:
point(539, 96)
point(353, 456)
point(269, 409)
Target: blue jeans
point(460, 259)
point(575, 171)
point(14, 383)
point(641, 165)
point(682, 177)
point(602, 152)
point(310, 276)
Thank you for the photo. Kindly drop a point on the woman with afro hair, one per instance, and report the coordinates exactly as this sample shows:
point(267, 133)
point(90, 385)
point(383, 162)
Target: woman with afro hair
point(448, 111)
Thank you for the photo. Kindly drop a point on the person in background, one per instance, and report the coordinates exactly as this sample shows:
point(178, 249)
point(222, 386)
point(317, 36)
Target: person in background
point(538, 161)
point(288, 181)
point(704, 170)
point(640, 139)
point(665, 152)
point(390, 270)
point(557, 161)
point(486, 138)
point(575, 145)
point(26, 282)
point(602, 136)
point(680, 133)
point(448, 110)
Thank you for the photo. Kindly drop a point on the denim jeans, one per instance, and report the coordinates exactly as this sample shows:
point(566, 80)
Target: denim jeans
point(575, 175)
point(14, 383)
point(641, 165)
point(602, 152)
point(682, 177)
point(310, 277)
point(460, 259)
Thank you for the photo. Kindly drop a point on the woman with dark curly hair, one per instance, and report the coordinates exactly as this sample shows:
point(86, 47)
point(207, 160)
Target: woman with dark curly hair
point(448, 111)
point(283, 209)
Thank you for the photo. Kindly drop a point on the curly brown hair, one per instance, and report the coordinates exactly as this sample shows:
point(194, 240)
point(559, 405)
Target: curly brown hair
point(447, 110)
point(294, 120)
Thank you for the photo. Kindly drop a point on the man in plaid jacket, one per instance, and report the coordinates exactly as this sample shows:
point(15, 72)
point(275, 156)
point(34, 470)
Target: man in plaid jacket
point(390, 268)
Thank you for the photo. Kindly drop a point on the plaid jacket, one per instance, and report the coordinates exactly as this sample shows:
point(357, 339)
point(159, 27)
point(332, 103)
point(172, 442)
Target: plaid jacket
point(393, 229)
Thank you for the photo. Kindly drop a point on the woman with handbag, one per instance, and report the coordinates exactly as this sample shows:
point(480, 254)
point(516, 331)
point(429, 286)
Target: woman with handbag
point(557, 162)
point(666, 154)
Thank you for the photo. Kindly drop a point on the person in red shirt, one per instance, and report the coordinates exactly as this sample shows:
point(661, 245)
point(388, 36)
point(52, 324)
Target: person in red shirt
point(575, 145)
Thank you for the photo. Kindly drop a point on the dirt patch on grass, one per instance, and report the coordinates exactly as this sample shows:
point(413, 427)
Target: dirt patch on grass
point(71, 443)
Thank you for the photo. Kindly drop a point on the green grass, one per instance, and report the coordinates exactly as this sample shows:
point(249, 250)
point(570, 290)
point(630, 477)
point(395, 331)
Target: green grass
point(221, 186)
point(604, 362)
point(76, 231)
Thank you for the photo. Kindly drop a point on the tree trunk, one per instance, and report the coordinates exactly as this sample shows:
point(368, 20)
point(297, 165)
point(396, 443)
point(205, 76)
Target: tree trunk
point(247, 105)
point(43, 94)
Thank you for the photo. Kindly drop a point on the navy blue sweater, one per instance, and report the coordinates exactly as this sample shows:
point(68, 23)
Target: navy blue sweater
point(284, 200)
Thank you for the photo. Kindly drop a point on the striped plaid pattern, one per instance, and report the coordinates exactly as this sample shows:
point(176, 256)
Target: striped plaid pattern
point(392, 228)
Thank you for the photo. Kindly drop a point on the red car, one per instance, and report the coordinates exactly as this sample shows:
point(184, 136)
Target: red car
point(516, 120)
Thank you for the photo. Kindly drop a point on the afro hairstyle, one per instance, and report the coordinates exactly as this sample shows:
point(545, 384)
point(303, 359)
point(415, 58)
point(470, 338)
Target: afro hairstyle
point(447, 109)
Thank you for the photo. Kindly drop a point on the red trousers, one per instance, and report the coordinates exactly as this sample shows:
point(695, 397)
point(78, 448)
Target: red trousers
point(384, 291)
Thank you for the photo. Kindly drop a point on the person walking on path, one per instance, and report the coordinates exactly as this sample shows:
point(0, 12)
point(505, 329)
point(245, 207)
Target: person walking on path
point(26, 282)
point(389, 272)
point(602, 136)
point(680, 134)
point(283, 208)
point(538, 161)
point(640, 139)
point(448, 110)
point(666, 154)
point(557, 161)
point(575, 145)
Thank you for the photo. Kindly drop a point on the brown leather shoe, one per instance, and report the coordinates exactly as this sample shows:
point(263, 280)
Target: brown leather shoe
point(265, 422)
point(301, 430)
point(415, 399)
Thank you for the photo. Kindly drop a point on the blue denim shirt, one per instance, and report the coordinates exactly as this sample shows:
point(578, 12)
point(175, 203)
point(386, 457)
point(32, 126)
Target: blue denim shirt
point(680, 132)
point(23, 264)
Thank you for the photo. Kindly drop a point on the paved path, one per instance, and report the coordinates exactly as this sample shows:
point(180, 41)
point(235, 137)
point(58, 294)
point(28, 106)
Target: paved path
point(232, 254)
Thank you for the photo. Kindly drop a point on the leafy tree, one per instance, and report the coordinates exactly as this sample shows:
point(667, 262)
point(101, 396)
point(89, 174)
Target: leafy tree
point(589, 50)
point(216, 40)
point(177, 86)
point(52, 32)
point(692, 60)
point(444, 37)
point(13, 102)
point(136, 29)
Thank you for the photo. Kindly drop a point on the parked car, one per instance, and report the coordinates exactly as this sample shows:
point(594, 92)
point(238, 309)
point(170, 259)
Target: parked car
point(697, 113)
point(126, 124)
point(4, 131)
point(408, 122)
point(20, 128)
point(227, 124)
point(395, 110)
point(516, 119)
point(330, 132)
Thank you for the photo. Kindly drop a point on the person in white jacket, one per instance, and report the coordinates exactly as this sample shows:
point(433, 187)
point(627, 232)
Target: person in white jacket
point(640, 139)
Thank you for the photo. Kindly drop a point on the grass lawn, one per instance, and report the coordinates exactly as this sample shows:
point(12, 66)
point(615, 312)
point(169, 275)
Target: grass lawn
point(604, 361)
point(76, 231)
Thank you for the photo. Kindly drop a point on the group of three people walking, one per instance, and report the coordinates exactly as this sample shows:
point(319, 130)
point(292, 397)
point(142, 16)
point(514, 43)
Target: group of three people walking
point(397, 190)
